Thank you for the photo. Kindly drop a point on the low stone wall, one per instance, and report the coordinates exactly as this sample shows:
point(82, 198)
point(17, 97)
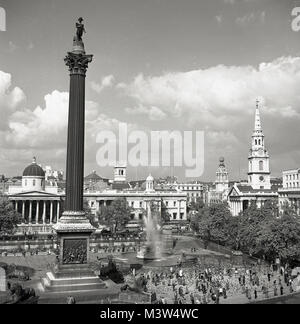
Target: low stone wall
point(108, 245)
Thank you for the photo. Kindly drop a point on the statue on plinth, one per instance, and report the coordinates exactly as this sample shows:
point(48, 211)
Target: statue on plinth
point(78, 45)
point(80, 29)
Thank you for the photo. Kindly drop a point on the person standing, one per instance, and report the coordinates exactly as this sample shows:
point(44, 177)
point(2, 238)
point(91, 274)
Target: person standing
point(255, 293)
point(281, 290)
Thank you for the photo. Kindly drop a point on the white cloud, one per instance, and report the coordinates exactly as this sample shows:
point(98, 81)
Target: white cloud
point(106, 82)
point(10, 98)
point(42, 131)
point(219, 97)
point(154, 113)
point(45, 125)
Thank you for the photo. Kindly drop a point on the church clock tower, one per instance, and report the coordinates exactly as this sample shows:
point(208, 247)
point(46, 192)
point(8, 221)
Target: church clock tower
point(259, 168)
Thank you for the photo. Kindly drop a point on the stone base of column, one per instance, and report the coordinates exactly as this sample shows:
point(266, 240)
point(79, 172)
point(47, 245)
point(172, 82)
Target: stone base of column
point(73, 233)
point(72, 271)
point(72, 278)
point(73, 222)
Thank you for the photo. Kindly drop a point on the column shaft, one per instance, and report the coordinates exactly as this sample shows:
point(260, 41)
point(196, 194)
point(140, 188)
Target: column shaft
point(23, 210)
point(75, 151)
point(30, 212)
point(44, 212)
point(37, 212)
point(57, 214)
point(51, 212)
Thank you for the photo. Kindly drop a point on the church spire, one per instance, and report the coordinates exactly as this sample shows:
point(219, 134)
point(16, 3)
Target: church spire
point(259, 169)
point(257, 126)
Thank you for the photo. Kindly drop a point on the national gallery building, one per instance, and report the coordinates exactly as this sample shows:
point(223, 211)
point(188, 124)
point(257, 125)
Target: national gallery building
point(41, 202)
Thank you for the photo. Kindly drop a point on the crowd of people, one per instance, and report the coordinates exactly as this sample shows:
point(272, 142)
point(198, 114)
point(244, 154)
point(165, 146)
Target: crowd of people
point(204, 284)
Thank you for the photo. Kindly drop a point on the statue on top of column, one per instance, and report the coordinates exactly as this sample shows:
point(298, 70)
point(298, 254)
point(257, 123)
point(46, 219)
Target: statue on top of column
point(80, 29)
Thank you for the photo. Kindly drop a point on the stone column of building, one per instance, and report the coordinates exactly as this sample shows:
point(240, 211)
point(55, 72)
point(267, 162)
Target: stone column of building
point(57, 211)
point(30, 212)
point(51, 212)
point(178, 210)
point(23, 210)
point(16, 205)
point(37, 212)
point(44, 213)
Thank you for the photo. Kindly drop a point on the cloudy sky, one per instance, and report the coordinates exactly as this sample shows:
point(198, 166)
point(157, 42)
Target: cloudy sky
point(158, 65)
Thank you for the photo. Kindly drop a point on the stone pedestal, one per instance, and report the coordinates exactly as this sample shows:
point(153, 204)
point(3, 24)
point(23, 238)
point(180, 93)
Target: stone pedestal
point(70, 278)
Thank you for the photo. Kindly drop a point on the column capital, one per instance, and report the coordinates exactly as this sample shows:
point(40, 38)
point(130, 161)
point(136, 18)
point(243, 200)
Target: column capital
point(78, 63)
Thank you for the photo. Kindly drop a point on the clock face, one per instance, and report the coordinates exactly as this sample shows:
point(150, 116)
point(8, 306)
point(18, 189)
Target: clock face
point(261, 178)
point(261, 151)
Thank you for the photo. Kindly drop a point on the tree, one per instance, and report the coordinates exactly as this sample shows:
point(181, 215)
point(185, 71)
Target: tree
point(165, 215)
point(260, 232)
point(212, 222)
point(196, 205)
point(9, 217)
point(115, 215)
point(161, 215)
point(280, 237)
point(88, 213)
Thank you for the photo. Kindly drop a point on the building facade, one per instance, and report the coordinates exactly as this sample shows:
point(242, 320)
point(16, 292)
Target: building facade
point(193, 190)
point(41, 204)
point(219, 191)
point(290, 191)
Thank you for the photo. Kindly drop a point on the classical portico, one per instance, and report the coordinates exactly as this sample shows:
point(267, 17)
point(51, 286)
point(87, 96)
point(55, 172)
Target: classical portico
point(39, 205)
point(39, 210)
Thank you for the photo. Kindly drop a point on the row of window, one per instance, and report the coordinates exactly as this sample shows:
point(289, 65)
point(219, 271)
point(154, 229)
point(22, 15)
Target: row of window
point(194, 194)
point(174, 216)
point(261, 165)
point(190, 188)
point(292, 177)
point(132, 204)
point(258, 142)
point(292, 184)
point(34, 182)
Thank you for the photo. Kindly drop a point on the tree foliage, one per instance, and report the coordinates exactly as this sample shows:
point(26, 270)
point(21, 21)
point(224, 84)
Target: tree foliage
point(116, 215)
point(88, 213)
point(161, 215)
point(258, 231)
point(212, 222)
point(9, 217)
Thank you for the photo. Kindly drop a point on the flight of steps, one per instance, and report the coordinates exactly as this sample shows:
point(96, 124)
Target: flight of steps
point(70, 279)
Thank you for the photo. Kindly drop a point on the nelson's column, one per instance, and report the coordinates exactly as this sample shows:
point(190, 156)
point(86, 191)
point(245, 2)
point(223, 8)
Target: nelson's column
point(73, 228)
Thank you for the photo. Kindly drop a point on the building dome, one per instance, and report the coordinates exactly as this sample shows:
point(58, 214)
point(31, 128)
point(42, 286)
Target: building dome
point(33, 170)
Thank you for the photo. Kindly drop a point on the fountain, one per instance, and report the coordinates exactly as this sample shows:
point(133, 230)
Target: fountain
point(153, 247)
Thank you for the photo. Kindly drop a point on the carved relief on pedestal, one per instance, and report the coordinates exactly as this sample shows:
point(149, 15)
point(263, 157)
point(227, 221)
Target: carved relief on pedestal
point(75, 251)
